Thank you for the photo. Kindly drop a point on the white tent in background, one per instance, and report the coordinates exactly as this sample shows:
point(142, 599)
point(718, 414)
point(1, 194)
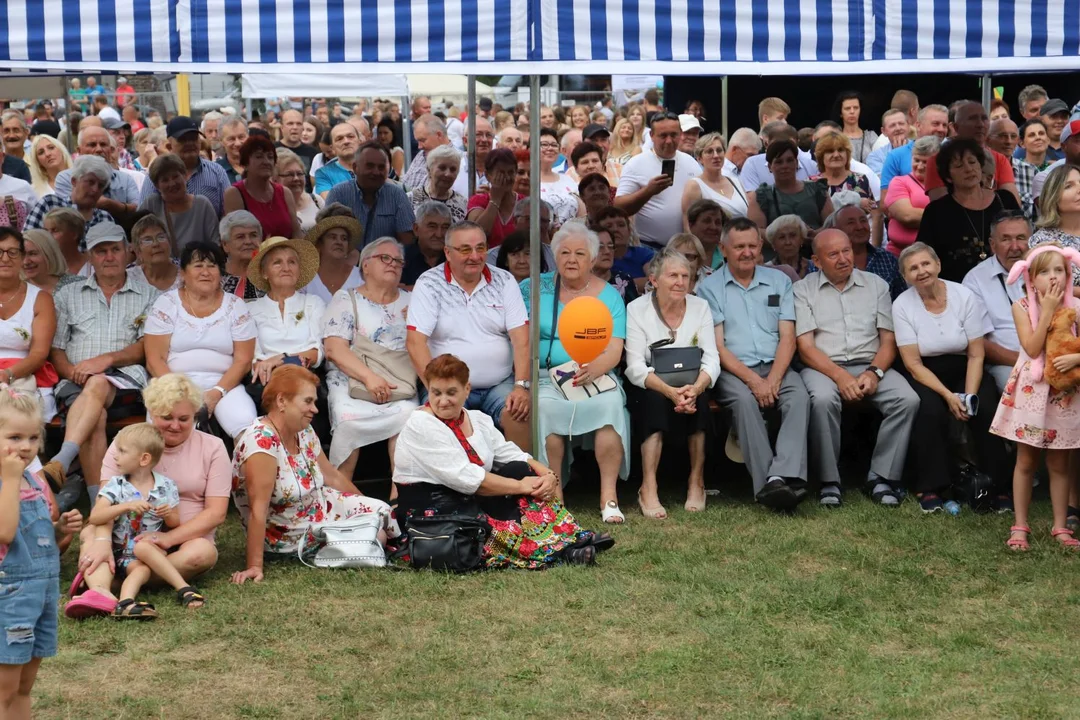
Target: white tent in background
point(439, 86)
point(265, 85)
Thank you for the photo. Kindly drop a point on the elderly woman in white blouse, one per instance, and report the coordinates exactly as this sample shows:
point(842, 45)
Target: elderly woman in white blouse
point(670, 319)
point(377, 311)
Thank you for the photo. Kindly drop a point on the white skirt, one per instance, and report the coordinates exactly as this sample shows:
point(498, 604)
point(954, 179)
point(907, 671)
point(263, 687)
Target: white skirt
point(357, 423)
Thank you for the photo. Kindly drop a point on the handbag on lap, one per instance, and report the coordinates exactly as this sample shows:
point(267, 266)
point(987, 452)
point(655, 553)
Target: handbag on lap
point(394, 366)
point(562, 376)
point(677, 366)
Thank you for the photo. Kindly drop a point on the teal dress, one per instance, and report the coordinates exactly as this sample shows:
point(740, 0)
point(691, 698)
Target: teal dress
point(576, 421)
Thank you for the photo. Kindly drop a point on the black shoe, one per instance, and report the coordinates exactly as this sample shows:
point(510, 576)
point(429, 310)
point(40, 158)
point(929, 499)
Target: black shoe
point(777, 495)
point(71, 493)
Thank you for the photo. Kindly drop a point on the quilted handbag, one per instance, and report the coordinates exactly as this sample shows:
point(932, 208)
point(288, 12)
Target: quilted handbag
point(352, 543)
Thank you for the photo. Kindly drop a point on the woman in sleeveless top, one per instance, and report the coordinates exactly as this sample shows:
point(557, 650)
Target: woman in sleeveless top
point(27, 324)
point(258, 194)
point(711, 184)
point(789, 196)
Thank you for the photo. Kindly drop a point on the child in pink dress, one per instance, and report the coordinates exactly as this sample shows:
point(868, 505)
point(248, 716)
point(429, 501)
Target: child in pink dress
point(1033, 414)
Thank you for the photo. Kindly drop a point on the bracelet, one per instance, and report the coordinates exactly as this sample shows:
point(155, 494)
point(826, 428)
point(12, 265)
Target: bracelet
point(219, 389)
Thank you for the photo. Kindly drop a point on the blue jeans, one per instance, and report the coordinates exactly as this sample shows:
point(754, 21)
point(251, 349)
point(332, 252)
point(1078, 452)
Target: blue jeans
point(490, 401)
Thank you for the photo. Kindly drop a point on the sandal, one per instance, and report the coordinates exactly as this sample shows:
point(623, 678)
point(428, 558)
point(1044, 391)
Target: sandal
point(656, 512)
point(1018, 543)
point(611, 513)
point(90, 603)
point(1065, 537)
point(694, 505)
point(580, 555)
point(77, 584)
point(132, 610)
point(188, 595)
point(1072, 520)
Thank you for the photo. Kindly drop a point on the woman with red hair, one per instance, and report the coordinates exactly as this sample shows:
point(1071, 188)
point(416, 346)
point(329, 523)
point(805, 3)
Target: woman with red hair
point(282, 480)
point(257, 192)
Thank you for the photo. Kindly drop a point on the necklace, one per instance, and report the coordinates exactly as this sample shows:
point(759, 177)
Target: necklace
point(190, 308)
point(979, 246)
point(13, 295)
point(569, 291)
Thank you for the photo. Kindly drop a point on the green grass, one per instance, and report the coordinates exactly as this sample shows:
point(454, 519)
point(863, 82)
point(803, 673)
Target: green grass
point(855, 613)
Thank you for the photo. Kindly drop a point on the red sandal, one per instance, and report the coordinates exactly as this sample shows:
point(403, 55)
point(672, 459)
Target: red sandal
point(1066, 538)
point(1020, 544)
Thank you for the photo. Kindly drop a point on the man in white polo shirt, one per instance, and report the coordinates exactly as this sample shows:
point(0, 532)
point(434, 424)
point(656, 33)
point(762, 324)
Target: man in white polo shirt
point(474, 311)
point(653, 198)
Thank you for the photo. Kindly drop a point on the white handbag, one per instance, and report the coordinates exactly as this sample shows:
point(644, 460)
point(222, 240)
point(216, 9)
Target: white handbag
point(563, 378)
point(352, 543)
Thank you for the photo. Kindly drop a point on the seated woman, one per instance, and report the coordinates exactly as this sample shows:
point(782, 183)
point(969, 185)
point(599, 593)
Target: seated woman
point(199, 465)
point(787, 236)
point(595, 191)
point(603, 267)
point(710, 150)
point(514, 253)
point(444, 460)
point(443, 164)
point(241, 234)
point(207, 334)
point(494, 210)
point(631, 257)
point(669, 317)
point(288, 323)
point(259, 194)
point(282, 480)
point(789, 196)
point(335, 236)
point(705, 221)
point(189, 218)
point(939, 331)
point(43, 264)
point(67, 226)
point(385, 132)
point(290, 171)
point(153, 253)
point(48, 158)
point(906, 197)
point(377, 311)
point(27, 324)
point(601, 420)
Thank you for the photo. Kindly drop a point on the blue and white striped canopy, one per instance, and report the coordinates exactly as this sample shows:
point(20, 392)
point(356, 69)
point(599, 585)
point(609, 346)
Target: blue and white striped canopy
point(549, 36)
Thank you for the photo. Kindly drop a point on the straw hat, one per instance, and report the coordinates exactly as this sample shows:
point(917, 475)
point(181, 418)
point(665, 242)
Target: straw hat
point(350, 224)
point(309, 261)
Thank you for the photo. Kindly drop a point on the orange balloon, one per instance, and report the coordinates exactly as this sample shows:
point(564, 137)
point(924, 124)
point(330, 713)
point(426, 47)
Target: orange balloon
point(585, 327)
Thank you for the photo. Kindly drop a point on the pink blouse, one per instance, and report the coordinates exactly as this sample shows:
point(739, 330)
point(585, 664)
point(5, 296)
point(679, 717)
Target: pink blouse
point(904, 187)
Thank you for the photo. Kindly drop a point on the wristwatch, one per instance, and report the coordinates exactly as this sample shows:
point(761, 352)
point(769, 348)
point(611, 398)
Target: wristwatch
point(523, 383)
point(877, 371)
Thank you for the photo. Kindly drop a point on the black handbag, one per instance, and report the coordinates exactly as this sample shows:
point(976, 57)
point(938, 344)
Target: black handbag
point(452, 543)
point(677, 366)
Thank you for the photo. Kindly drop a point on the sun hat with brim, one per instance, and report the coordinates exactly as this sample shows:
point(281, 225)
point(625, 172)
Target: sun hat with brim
point(309, 261)
point(350, 224)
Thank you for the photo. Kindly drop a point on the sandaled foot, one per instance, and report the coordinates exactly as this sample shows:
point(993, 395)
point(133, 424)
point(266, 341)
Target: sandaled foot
point(1018, 538)
point(1064, 536)
point(655, 512)
point(695, 500)
point(190, 598)
point(133, 610)
point(611, 513)
point(580, 555)
point(1072, 521)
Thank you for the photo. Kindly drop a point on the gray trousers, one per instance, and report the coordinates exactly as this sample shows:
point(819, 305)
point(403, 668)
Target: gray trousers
point(794, 404)
point(1001, 374)
point(894, 399)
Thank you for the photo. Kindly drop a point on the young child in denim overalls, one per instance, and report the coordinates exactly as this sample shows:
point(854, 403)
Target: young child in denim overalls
point(29, 555)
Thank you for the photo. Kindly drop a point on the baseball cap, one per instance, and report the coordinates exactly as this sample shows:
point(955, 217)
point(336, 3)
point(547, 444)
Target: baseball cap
point(181, 125)
point(593, 129)
point(104, 232)
point(1053, 107)
point(1071, 128)
point(689, 122)
point(114, 123)
point(120, 80)
point(485, 104)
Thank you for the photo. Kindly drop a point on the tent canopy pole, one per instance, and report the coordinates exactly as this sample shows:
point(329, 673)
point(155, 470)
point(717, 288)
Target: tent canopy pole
point(535, 256)
point(471, 135)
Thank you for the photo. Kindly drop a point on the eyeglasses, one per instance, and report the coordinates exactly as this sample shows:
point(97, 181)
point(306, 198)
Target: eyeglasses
point(469, 249)
point(13, 253)
point(390, 260)
point(549, 146)
point(663, 115)
point(148, 241)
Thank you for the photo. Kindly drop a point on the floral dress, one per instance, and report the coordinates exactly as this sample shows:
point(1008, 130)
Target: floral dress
point(1033, 413)
point(300, 497)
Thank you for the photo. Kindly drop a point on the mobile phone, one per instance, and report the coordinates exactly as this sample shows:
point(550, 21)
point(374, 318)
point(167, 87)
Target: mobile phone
point(667, 167)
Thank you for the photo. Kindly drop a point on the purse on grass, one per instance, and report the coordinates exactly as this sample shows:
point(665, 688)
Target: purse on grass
point(677, 366)
point(452, 543)
point(393, 366)
point(352, 543)
point(562, 376)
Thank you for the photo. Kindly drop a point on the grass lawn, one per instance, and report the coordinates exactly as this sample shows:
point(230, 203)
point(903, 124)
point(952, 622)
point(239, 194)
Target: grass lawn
point(860, 612)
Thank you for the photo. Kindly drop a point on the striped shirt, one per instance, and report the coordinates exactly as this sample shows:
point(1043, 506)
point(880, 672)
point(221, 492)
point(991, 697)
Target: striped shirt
point(36, 217)
point(392, 213)
point(88, 325)
point(209, 180)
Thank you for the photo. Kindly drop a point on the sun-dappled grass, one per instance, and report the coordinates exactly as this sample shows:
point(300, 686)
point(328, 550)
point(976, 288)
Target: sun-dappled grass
point(736, 612)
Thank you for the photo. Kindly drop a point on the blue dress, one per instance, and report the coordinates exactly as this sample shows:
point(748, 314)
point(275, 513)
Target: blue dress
point(577, 421)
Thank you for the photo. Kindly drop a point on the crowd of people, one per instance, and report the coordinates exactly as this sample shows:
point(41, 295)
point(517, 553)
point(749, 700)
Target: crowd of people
point(288, 287)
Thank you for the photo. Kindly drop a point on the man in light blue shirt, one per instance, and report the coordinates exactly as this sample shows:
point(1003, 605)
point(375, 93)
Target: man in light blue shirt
point(933, 120)
point(754, 313)
point(345, 140)
point(382, 207)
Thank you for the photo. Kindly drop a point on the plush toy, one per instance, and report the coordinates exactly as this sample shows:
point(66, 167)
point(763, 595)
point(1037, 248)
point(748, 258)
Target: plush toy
point(1060, 340)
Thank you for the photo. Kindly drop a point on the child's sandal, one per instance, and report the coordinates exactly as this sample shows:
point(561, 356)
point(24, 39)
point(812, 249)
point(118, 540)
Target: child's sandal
point(1065, 537)
point(188, 595)
point(1018, 543)
point(132, 610)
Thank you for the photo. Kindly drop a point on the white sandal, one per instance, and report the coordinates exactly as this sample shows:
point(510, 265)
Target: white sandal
point(612, 514)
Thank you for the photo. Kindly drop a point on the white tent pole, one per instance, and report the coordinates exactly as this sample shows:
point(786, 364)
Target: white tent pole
point(535, 255)
point(470, 137)
point(987, 91)
point(724, 108)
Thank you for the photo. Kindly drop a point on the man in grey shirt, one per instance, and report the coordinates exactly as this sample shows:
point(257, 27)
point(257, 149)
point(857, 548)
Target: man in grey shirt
point(844, 329)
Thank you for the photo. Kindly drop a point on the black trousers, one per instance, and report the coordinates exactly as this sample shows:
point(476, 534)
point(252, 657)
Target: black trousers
point(928, 466)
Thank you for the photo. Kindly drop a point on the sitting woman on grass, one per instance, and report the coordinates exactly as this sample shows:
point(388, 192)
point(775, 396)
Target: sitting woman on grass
point(283, 481)
point(444, 460)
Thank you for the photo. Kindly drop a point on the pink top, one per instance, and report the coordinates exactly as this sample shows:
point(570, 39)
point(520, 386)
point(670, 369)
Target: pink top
point(200, 468)
point(904, 187)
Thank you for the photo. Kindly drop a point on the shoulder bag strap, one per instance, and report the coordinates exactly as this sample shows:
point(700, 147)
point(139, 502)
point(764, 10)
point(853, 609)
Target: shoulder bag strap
point(355, 315)
point(554, 321)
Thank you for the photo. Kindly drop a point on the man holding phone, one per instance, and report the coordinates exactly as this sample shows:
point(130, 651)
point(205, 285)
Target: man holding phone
point(652, 183)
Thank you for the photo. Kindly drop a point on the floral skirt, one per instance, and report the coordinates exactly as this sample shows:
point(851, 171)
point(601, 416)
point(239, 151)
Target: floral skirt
point(534, 541)
point(1033, 413)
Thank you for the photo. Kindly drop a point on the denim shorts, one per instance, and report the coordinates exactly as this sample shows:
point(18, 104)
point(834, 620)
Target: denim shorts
point(28, 611)
point(490, 401)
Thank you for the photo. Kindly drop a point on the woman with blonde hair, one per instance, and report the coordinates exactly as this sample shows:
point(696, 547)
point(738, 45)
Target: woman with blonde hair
point(291, 174)
point(579, 117)
point(625, 141)
point(43, 264)
point(48, 158)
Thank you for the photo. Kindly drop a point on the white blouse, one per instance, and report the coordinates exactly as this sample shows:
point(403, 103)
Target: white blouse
point(298, 330)
point(316, 287)
point(428, 452)
point(644, 327)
